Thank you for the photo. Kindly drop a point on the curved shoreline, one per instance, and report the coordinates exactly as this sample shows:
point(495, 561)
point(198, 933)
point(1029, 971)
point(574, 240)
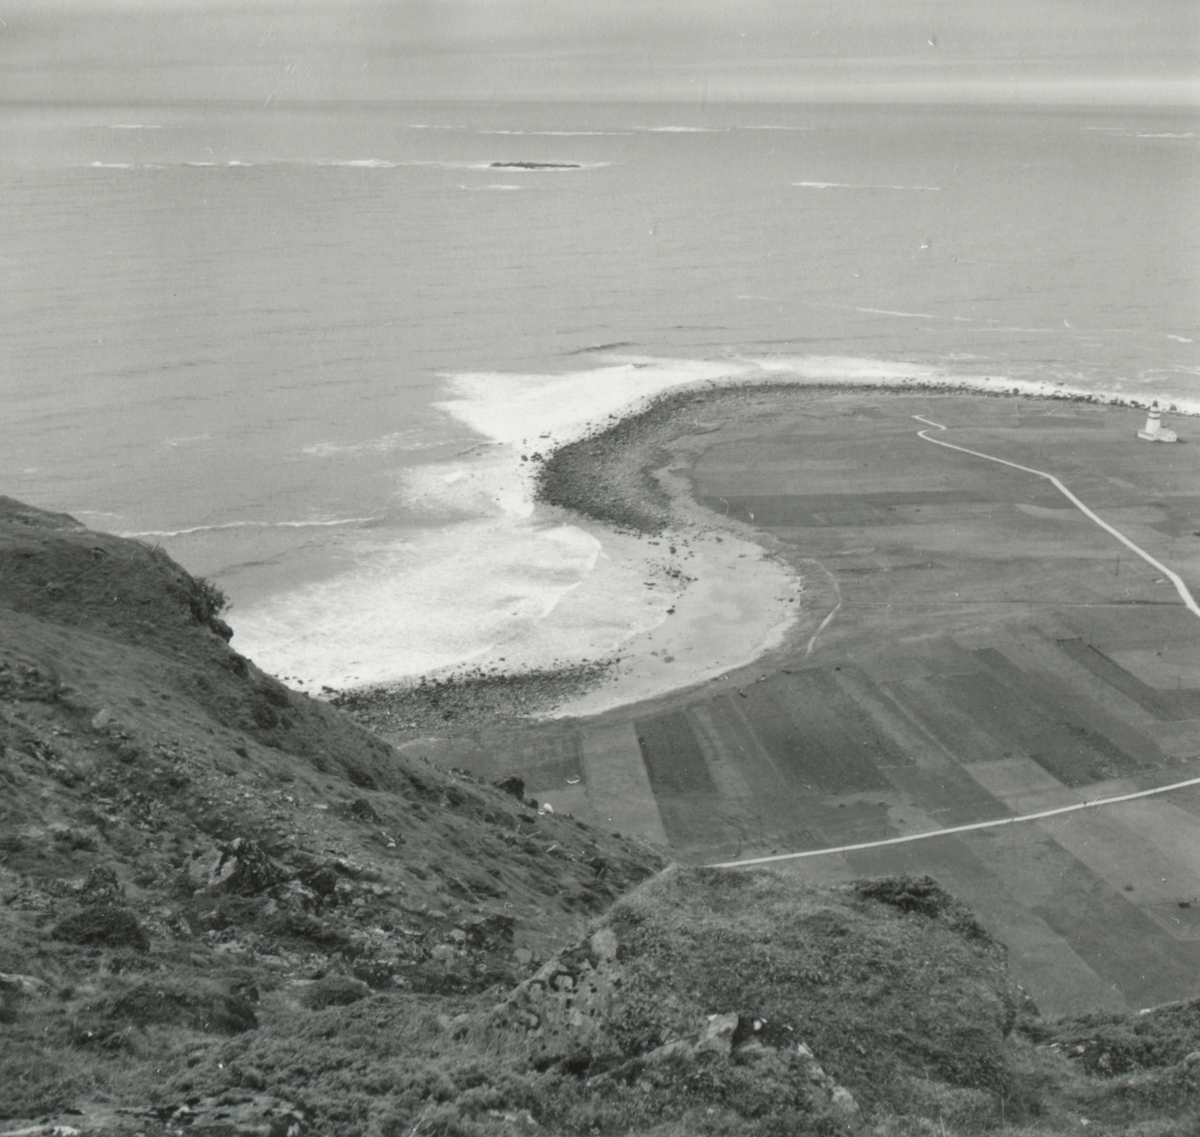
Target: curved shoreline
point(625, 499)
point(630, 478)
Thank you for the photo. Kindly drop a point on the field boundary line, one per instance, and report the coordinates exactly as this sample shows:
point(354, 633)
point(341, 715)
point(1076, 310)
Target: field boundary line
point(927, 834)
point(1188, 599)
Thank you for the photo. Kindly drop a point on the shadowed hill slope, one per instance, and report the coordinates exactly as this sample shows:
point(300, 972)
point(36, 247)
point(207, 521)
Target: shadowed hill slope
point(169, 811)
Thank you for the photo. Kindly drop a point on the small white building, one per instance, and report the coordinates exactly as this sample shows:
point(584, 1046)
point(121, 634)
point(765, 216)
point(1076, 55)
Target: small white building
point(1154, 431)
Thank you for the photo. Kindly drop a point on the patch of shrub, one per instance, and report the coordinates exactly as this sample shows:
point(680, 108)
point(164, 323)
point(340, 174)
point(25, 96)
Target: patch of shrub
point(201, 1007)
point(334, 991)
point(103, 926)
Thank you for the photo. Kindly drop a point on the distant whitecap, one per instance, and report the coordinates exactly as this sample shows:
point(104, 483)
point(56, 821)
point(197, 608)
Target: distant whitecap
point(563, 133)
point(364, 163)
point(857, 186)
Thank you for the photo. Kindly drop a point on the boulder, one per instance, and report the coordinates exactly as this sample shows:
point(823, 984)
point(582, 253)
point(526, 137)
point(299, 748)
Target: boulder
point(240, 866)
point(512, 785)
point(604, 944)
point(832, 1101)
point(718, 1034)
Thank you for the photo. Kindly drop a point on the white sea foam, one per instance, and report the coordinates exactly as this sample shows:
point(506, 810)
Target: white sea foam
point(564, 133)
point(1125, 132)
point(133, 126)
point(856, 186)
point(363, 163)
point(489, 583)
point(487, 483)
point(892, 312)
point(325, 523)
point(513, 408)
point(849, 370)
point(94, 513)
point(859, 372)
point(402, 440)
point(447, 597)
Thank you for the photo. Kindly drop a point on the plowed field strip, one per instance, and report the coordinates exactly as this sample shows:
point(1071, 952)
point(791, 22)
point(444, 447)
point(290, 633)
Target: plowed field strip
point(961, 828)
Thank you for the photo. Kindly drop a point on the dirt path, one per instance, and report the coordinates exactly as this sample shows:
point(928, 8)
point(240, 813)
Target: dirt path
point(1174, 578)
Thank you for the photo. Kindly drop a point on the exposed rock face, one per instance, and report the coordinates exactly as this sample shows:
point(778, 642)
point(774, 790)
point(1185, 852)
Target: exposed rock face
point(240, 866)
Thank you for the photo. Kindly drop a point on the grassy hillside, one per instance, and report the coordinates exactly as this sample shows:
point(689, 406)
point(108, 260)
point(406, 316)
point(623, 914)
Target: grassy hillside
point(227, 909)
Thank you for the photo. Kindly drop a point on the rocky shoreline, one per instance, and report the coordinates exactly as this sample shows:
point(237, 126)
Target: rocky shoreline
point(467, 699)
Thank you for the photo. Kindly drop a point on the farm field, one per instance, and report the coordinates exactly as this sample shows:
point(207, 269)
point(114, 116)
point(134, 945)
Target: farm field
point(995, 653)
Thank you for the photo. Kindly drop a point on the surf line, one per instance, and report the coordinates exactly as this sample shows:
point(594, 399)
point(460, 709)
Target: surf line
point(924, 836)
point(1188, 599)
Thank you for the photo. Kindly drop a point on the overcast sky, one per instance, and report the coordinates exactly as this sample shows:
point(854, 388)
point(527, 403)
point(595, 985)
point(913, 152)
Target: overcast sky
point(690, 50)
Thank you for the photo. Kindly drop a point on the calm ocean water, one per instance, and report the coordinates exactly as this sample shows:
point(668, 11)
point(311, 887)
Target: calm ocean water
point(301, 346)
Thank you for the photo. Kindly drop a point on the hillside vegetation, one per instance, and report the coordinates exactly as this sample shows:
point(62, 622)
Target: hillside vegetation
point(226, 909)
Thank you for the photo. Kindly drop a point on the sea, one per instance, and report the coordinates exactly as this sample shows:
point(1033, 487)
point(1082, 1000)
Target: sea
point(306, 347)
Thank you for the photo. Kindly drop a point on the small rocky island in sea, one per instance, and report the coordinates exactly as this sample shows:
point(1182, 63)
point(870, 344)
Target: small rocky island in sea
point(535, 166)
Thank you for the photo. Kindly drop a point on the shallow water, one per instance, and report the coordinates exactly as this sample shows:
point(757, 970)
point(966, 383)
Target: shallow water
point(305, 347)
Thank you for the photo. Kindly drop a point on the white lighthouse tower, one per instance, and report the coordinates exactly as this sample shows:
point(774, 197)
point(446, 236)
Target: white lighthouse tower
point(1154, 431)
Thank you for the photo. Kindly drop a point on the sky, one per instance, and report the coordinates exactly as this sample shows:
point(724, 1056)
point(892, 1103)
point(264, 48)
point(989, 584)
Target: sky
point(1145, 51)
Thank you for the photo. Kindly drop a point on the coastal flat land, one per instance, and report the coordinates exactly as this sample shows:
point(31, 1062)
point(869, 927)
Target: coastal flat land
point(995, 653)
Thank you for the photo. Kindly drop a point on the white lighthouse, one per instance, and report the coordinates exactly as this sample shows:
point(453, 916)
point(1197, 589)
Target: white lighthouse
point(1154, 431)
